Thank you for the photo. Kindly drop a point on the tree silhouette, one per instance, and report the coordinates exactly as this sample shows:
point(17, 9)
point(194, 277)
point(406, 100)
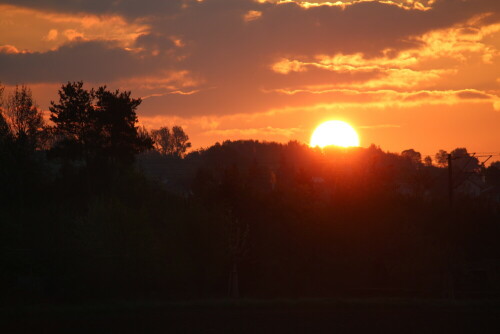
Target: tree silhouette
point(74, 121)
point(412, 155)
point(115, 119)
point(97, 125)
point(26, 120)
point(180, 141)
point(5, 133)
point(4, 126)
point(173, 142)
point(464, 160)
point(441, 158)
point(163, 140)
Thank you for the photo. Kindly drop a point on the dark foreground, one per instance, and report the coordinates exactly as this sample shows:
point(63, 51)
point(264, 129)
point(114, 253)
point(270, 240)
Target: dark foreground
point(348, 316)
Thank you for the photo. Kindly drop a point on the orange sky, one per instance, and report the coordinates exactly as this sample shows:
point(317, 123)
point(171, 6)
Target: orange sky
point(406, 74)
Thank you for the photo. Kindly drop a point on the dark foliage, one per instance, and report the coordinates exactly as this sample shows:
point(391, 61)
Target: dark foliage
point(171, 142)
point(97, 126)
point(240, 218)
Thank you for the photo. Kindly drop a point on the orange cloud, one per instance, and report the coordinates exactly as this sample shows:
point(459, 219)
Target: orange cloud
point(440, 57)
point(405, 4)
point(52, 35)
point(38, 30)
point(9, 49)
point(252, 15)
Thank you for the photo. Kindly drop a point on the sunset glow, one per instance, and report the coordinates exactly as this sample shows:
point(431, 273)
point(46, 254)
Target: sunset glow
point(334, 133)
point(266, 158)
point(270, 69)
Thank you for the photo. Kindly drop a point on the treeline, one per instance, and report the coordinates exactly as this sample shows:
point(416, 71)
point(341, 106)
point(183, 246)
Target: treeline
point(94, 206)
point(77, 218)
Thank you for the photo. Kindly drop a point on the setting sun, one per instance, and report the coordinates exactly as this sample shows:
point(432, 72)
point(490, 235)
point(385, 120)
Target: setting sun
point(335, 133)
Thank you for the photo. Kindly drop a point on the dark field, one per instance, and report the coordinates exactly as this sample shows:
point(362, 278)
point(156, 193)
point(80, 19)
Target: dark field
point(313, 316)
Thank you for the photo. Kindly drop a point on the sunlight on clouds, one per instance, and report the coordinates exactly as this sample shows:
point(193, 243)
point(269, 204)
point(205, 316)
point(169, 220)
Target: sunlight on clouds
point(441, 55)
point(252, 15)
point(403, 78)
point(40, 31)
point(344, 99)
point(496, 105)
point(460, 42)
point(345, 63)
point(456, 42)
point(52, 35)
point(404, 4)
point(9, 49)
point(72, 35)
point(165, 82)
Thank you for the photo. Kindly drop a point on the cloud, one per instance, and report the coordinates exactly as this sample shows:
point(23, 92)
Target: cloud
point(51, 35)
point(41, 31)
point(226, 51)
point(129, 8)
point(81, 60)
point(474, 95)
point(8, 49)
point(252, 15)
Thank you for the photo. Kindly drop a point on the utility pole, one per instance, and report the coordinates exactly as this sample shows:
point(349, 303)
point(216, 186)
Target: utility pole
point(450, 180)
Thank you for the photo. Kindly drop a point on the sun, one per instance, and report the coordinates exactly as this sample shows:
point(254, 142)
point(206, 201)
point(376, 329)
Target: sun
point(335, 133)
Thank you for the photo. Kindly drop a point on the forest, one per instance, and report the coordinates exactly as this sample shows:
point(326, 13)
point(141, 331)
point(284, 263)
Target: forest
point(93, 206)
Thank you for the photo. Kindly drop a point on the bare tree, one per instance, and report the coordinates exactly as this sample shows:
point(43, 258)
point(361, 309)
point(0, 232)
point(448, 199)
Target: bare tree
point(163, 140)
point(25, 118)
point(173, 142)
point(4, 126)
point(180, 141)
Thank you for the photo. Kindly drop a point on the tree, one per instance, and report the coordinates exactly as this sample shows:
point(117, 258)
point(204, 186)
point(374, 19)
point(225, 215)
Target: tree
point(495, 164)
point(173, 142)
point(163, 140)
point(74, 121)
point(26, 120)
point(115, 119)
point(428, 161)
point(464, 161)
point(441, 158)
point(5, 134)
point(145, 136)
point(180, 141)
point(97, 125)
point(492, 174)
point(412, 155)
point(4, 126)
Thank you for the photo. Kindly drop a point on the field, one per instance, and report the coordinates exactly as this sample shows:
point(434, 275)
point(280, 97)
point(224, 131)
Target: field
point(280, 316)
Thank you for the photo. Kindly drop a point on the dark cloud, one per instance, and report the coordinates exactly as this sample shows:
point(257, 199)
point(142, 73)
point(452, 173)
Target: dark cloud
point(81, 60)
point(232, 56)
point(224, 47)
point(129, 8)
point(154, 42)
